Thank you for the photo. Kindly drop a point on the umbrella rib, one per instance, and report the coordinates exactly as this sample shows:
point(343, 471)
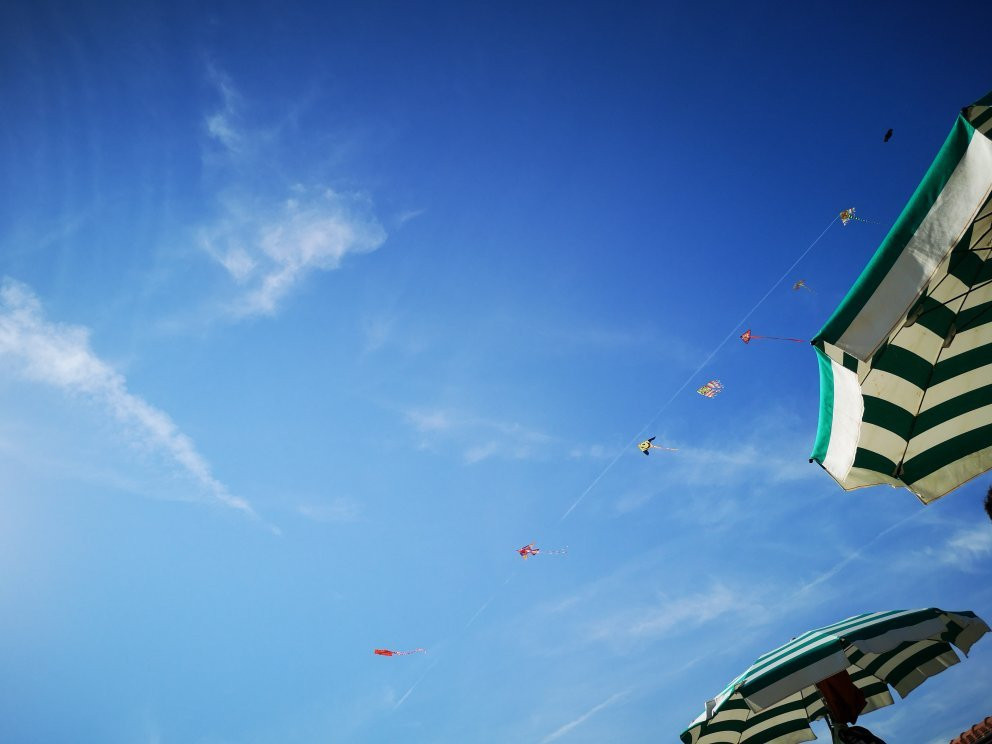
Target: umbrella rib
point(933, 367)
point(960, 257)
point(916, 415)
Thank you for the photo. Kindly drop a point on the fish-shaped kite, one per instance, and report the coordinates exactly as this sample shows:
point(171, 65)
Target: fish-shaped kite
point(530, 549)
point(387, 652)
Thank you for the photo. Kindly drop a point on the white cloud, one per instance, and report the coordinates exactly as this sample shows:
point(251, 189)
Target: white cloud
point(725, 466)
point(378, 331)
point(430, 420)
point(336, 510)
point(967, 547)
point(558, 733)
point(223, 124)
point(589, 452)
point(403, 217)
point(269, 240)
point(670, 614)
point(60, 355)
point(268, 249)
point(480, 452)
point(488, 437)
point(632, 501)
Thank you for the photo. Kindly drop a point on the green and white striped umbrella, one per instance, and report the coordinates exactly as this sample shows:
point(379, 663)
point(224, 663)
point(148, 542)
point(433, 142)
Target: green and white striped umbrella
point(776, 698)
point(906, 358)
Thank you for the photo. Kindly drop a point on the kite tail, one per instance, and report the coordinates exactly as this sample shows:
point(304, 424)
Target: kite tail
point(781, 338)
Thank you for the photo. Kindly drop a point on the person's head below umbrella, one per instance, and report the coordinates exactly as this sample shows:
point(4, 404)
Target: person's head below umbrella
point(988, 503)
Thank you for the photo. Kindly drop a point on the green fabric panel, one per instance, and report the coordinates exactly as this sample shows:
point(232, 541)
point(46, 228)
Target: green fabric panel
point(951, 633)
point(774, 733)
point(834, 629)
point(958, 365)
point(826, 420)
point(874, 688)
point(985, 274)
point(974, 317)
point(777, 671)
point(965, 263)
point(905, 228)
point(798, 644)
point(887, 624)
point(903, 363)
point(928, 652)
point(985, 100)
point(936, 317)
point(896, 419)
point(982, 119)
point(948, 451)
point(954, 630)
point(716, 725)
point(881, 660)
point(850, 363)
point(873, 461)
point(952, 408)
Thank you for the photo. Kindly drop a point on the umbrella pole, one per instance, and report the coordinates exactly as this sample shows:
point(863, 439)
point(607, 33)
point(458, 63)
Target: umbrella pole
point(831, 726)
point(834, 730)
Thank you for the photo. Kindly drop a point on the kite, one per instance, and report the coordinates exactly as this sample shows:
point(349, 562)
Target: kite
point(387, 652)
point(747, 336)
point(711, 389)
point(646, 445)
point(888, 136)
point(801, 284)
point(905, 393)
point(848, 214)
point(528, 550)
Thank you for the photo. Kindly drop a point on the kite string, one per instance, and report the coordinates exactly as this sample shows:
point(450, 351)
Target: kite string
point(634, 441)
point(780, 338)
point(696, 371)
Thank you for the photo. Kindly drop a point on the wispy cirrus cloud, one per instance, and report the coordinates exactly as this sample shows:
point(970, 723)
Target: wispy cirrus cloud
point(490, 437)
point(335, 511)
point(270, 234)
point(669, 614)
point(224, 124)
point(59, 355)
point(268, 248)
point(965, 548)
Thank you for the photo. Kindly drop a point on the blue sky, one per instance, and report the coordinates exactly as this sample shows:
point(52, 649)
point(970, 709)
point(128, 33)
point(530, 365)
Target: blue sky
point(312, 313)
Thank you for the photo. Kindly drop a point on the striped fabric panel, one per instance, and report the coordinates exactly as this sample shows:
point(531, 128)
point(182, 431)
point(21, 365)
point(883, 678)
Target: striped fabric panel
point(927, 391)
point(953, 422)
point(815, 645)
point(899, 648)
point(944, 204)
point(979, 114)
point(788, 721)
point(882, 631)
point(906, 667)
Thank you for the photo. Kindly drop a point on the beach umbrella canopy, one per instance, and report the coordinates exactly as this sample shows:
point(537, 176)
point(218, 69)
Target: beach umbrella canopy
point(906, 358)
point(777, 697)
